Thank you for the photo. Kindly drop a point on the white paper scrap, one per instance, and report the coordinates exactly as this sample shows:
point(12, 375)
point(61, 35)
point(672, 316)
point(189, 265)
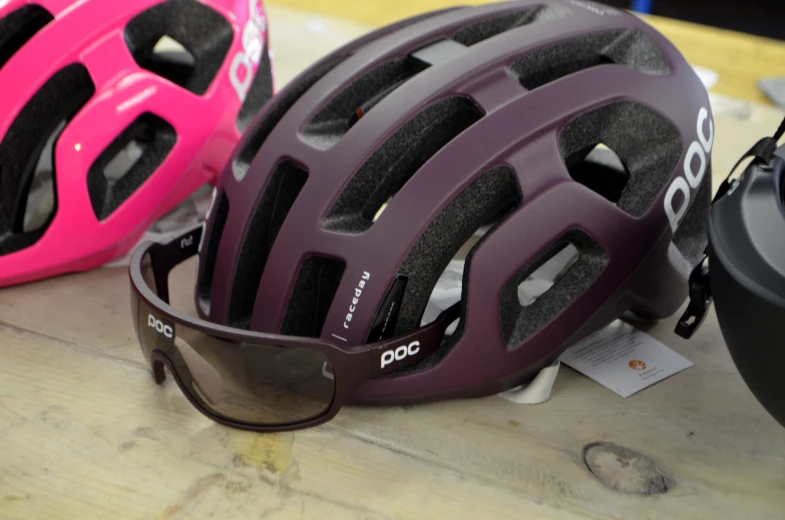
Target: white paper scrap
point(624, 359)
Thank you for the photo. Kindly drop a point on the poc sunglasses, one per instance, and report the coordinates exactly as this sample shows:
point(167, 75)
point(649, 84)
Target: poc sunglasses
point(251, 380)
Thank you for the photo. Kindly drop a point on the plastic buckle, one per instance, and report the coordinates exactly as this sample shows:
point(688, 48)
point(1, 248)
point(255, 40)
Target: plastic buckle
point(700, 301)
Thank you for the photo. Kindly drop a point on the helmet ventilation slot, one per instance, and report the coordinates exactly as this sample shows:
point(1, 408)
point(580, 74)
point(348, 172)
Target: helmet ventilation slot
point(601, 170)
point(634, 138)
point(354, 102)
point(455, 234)
point(202, 33)
point(18, 27)
point(628, 48)
point(205, 282)
point(280, 105)
point(271, 211)
point(40, 205)
point(489, 200)
point(397, 160)
point(485, 29)
point(558, 263)
point(574, 261)
point(312, 295)
point(128, 162)
point(169, 59)
point(27, 162)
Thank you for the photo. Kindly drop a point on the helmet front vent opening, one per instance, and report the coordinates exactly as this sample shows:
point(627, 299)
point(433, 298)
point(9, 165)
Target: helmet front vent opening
point(271, 211)
point(18, 27)
point(28, 200)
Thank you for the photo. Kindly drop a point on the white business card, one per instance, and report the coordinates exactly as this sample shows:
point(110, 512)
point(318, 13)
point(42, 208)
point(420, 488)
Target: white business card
point(624, 359)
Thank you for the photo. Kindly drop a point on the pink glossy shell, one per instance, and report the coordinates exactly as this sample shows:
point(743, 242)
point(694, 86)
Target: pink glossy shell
point(91, 32)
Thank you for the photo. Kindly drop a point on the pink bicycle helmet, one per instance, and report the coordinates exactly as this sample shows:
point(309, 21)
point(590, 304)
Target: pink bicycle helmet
point(474, 118)
point(103, 129)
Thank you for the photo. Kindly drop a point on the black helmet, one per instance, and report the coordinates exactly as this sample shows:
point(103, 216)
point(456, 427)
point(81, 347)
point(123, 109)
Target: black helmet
point(746, 272)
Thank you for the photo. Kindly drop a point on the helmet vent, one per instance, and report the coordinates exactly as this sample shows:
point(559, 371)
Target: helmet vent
point(279, 106)
point(202, 35)
point(601, 170)
point(354, 102)
point(639, 153)
point(260, 92)
point(575, 261)
point(27, 157)
point(397, 160)
point(489, 200)
point(128, 162)
point(205, 283)
point(18, 27)
point(558, 263)
point(313, 294)
point(485, 29)
point(40, 204)
point(629, 48)
point(169, 59)
point(271, 211)
point(456, 233)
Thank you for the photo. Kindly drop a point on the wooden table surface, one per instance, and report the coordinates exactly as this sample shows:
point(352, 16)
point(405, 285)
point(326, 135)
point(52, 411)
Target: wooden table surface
point(86, 434)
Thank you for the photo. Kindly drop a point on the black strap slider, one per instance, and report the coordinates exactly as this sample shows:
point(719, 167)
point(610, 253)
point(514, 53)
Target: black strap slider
point(700, 301)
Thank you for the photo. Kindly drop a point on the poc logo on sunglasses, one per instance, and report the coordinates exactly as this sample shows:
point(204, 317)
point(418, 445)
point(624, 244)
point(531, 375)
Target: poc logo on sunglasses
point(400, 353)
point(159, 326)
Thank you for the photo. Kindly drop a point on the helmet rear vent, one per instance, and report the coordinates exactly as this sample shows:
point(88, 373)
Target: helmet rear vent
point(485, 29)
point(205, 283)
point(601, 170)
point(397, 160)
point(628, 48)
point(128, 162)
point(639, 153)
point(169, 59)
point(202, 35)
point(18, 27)
point(279, 106)
point(313, 294)
point(335, 119)
point(271, 211)
point(456, 233)
point(530, 300)
point(28, 200)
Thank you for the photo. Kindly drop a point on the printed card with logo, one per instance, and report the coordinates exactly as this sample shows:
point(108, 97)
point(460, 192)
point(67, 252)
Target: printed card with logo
point(624, 359)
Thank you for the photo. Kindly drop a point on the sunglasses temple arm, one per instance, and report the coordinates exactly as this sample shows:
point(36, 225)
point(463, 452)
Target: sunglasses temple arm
point(392, 354)
point(167, 256)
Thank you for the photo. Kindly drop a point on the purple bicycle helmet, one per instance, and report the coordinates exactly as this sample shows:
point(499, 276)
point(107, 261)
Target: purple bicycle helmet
point(462, 119)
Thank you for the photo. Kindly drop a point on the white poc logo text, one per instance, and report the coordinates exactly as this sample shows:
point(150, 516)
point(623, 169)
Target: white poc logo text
point(245, 61)
point(159, 326)
point(400, 353)
point(698, 151)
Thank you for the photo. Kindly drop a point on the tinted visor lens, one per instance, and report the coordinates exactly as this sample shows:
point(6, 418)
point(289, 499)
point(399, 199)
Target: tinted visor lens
point(262, 385)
